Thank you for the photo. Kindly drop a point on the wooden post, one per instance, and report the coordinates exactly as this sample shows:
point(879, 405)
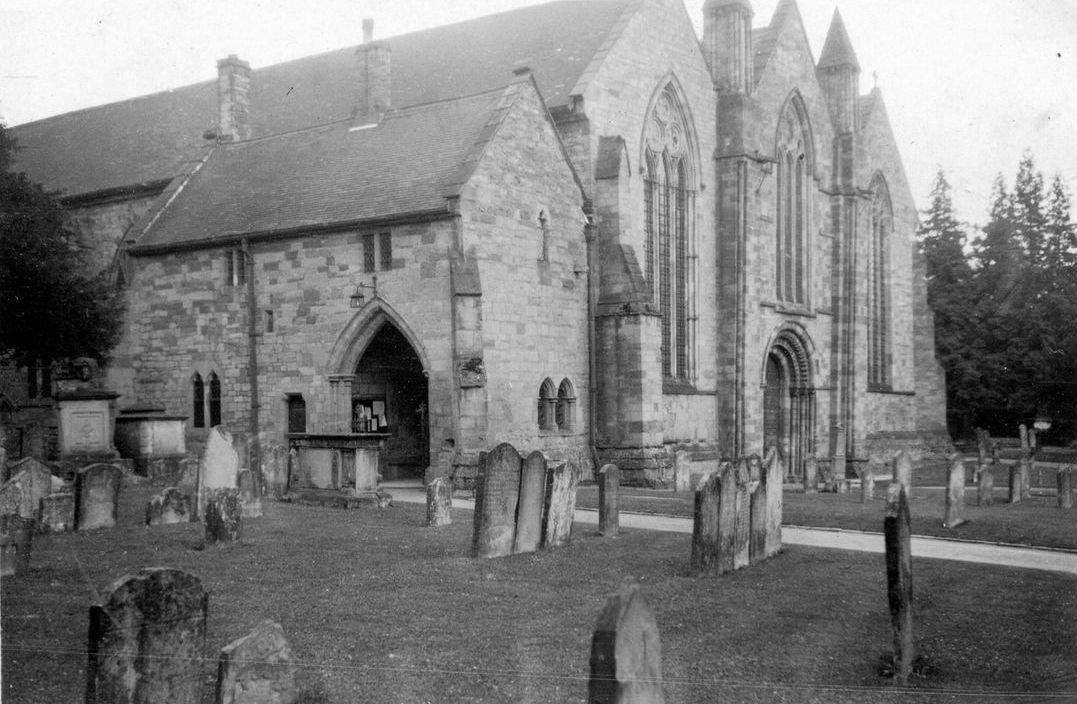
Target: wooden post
point(898, 538)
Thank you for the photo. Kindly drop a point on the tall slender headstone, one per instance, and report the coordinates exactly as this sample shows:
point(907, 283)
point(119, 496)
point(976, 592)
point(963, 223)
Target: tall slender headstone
point(531, 501)
point(146, 640)
point(1065, 487)
point(742, 529)
point(1024, 466)
point(955, 494)
point(903, 470)
point(757, 549)
point(867, 483)
point(898, 540)
point(983, 446)
point(626, 652)
point(811, 475)
point(439, 501)
point(774, 477)
point(609, 489)
point(97, 496)
point(561, 483)
point(1015, 483)
point(985, 486)
point(219, 468)
point(257, 668)
point(497, 494)
point(706, 530)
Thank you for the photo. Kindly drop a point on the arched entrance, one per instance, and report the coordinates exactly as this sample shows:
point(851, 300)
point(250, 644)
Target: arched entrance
point(789, 402)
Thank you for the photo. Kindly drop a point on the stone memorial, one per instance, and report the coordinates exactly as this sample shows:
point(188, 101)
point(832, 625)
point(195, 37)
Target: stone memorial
point(903, 471)
point(985, 486)
point(774, 475)
point(561, 483)
point(16, 544)
point(983, 446)
point(168, 507)
point(811, 475)
point(757, 548)
point(97, 495)
point(22, 493)
point(530, 504)
point(1065, 487)
point(257, 669)
point(86, 423)
point(1024, 466)
point(1016, 494)
point(626, 652)
point(682, 471)
point(222, 516)
point(58, 512)
point(867, 483)
point(219, 468)
point(955, 494)
point(898, 540)
point(496, 496)
point(439, 501)
point(609, 490)
point(146, 640)
point(250, 503)
point(742, 529)
point(714, 526)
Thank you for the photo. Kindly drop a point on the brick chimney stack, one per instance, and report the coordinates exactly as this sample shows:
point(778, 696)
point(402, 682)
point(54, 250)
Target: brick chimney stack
point(375, 86)
point(233, 100)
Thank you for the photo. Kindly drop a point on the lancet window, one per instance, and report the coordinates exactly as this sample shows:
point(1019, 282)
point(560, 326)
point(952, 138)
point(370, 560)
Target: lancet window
point(792, 244)
point(882, 224)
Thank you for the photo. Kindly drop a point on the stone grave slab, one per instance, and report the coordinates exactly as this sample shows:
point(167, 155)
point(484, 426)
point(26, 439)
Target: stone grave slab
point(58, 512)
point(1064, 481)
point(561, 484)
point(530, 504)
point(219, 468)
point(626, 652)
point(439, 501)
point(257, 668)
point(903, 470)
point(742, 530)
point(867, 483)
point(609, 489)
point(97, 495)
point(222, 517)
point(495, 502)
point(168, 507)
point(706, 546)
point(250, 503)
point(21, 494)
point(16, 544)
point(897, 535)
point(955, 494)
point(775, 474)
point(985, 486)
point(758, 490)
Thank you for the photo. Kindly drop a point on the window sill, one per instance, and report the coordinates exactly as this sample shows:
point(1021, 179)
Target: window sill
point(888, 391)
point(788, 308)
point(556, 432)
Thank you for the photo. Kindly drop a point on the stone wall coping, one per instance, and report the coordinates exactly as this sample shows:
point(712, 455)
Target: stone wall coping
point(86, 395)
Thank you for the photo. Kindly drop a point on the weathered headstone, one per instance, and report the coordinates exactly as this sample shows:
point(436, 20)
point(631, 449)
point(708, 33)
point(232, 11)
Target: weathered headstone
point(222, 516)
point(1015, 483)
point(867, 483)
point(742, 529)
point(250, 503)
point(811, 475)
point(168, 507)
point(439, 501)
point(714, 528)
point(257, 669)
point(219, 468)
point(21, 494)
point(97, 495)
point(561, 482)
point(774, 475)
point(757, 549)
point(146, 640)
point(1065, 487)
point(955, 494)
point(497, 494)
point(609, 490)
point(983, 446)
point(531, 502)
point(1024, 466)
point(985, 486)
point(16, 544)
point(58, 512)
point(682, 471)
point(1022, 431)
point(903, 470)
point(898, 539)
point(626, 652)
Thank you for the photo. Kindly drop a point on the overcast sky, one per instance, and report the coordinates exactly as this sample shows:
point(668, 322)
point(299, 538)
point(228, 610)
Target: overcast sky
point(969, 84)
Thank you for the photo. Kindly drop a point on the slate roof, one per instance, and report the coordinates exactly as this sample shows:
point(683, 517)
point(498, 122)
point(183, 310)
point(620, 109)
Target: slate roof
point(325, 175)
point(148, 138)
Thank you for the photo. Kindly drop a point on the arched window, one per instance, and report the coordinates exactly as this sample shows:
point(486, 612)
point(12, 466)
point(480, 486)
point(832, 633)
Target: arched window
point(565, 413)
point(546, 402)
point(668, 245)
point(198, 400)
point(882, 224)
point(214, 400)
point(792, 244)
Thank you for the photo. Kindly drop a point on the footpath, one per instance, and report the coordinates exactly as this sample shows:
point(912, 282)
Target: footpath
point(935, 548)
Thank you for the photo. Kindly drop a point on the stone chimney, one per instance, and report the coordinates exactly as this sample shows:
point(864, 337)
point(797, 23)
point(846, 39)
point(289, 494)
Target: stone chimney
point(375, 87)
point(233, 100)
point(727, 44)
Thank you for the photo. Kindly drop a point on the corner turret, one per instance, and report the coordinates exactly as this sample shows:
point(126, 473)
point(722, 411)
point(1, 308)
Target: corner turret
point(727, 44)
point(839, 75)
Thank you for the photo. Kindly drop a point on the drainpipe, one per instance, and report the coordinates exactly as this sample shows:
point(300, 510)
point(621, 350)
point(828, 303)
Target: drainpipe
point(592, 363)
point(255, 453)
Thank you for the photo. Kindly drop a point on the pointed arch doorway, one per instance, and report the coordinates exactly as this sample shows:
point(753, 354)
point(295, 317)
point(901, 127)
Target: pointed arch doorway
point(789, 403)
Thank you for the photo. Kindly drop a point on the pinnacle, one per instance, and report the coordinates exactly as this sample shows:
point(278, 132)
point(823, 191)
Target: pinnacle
point(838, 50)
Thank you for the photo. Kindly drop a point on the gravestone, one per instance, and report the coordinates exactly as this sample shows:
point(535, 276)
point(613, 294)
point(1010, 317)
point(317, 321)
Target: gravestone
point(250, 503)
point(219, 468)
point(439, 501)
point(985, 486)
point(774, 476)
point(903, 470)
point(898, 540)
point(97, 495)
point(955, 494)
point(609, 489)
point(742, 529)
point(1024, 465)
point(257, 669)
point(1065, 487)
point(58, 512)
point(561, 483)
point(867, 483)
point(530, 504)
point(682, 471)
point(146, 640)
point(496, 496)
point(168, 507)
point(1022, 431)
point(222, 516)
point(626, 652)
point(16, 544)
point(983, 446)
point(1015, 483)
point(21, 494)
point(714, 528)
point(811, 474)
point(757, 548)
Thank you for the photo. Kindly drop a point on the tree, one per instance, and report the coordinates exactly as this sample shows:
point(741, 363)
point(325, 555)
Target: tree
point(51, 305)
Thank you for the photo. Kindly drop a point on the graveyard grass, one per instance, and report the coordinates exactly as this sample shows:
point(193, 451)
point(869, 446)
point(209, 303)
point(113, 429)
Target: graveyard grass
point(379, 608)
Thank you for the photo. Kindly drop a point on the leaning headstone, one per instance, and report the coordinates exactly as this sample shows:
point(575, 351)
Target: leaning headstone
point(146, 640)
point(21, 494)
point(219, 468)
point(1024, 466)
point(714, 527)
point(250, 503)
point(867, 483)
point(903, 470)
point(257, 668)
point(985, 486)
point(497, 494)
point(58, 512)
point(898, 539)
point(561, 482)
point(955, 494)
point(626, 652)
point(168, 507)
point(97, 495)
point(532, 499)
point(439, 501)
point(222, 516)
point(774, 475)
point(811, 475)
point(609, 490)
point(16, 544)
point(742, 529)
point(1065, 487)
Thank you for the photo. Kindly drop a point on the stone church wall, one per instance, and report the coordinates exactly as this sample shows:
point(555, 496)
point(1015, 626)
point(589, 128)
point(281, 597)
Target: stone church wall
point(104, 225)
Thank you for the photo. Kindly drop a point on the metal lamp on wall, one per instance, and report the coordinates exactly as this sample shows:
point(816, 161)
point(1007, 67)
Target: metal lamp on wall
point(358, 299)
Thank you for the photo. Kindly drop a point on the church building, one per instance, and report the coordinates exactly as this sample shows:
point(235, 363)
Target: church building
point(578, 227)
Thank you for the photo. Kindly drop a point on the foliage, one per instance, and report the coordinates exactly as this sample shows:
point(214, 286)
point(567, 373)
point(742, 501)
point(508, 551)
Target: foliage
point(51, 305)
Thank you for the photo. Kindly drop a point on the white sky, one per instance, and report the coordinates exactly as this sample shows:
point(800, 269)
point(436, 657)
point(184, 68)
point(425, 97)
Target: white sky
point(969, 84)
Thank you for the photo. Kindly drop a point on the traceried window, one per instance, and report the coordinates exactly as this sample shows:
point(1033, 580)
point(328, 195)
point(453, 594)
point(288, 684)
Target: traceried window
point(882, 224)
point(792, 244)
point(669, 245)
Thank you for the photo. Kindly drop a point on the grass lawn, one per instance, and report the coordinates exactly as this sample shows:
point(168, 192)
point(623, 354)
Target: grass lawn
point(380, 609)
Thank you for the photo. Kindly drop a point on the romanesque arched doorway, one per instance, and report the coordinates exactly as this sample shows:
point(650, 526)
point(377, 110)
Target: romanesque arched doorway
point(789, 402)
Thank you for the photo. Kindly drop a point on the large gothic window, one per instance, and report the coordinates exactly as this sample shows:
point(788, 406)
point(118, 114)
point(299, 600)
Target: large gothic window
point(882, 224)
point(792, 244)
point(669, 247)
